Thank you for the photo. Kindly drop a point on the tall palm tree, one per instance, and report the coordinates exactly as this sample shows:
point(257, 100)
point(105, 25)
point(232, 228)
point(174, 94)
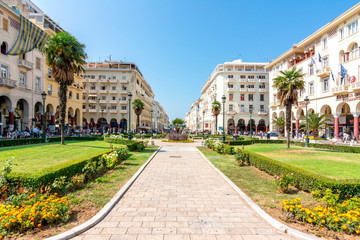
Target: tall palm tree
point(178, 123)
point(138, 107)
point(316, 122)
point(65, 56)
point(280, 123)
point(215, 108)
point(288, 84)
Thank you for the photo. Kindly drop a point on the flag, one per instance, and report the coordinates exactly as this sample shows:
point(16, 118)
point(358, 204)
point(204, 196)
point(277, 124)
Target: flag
point(313, 61)
point(343, 71)
point(332, 76)
point(30, 37)
point(320, 58)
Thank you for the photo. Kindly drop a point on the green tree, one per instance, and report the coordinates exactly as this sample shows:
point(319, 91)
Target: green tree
point(215, 108)
point(138, 107)
point(288, 85)
point(280, 123)
point(65, 56)
point(177, 123)
point(316, 122)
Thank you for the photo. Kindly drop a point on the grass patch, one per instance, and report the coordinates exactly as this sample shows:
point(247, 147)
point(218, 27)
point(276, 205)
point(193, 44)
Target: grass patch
point(35, 157)
point(338, 165)
point(258, 185)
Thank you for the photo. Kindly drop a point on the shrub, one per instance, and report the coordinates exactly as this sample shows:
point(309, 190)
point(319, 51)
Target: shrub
point(132, 145)
point(242, 158)
point(284, 181)
point(229, 149)
point(337, 148)
point(29, 211)
point(78, 181)
point(177, 136)
point(60, 185)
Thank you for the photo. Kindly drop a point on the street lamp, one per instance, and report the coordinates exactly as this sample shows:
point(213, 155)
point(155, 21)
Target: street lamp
point(151, 121)
point(223, 101)
point(102, 121)
point(43, 96)
point(250, 111)
point(203, 122)
point(129, 127)
point(306, 100)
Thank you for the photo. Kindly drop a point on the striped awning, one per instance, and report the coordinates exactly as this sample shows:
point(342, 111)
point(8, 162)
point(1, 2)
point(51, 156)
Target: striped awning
point(30, 37)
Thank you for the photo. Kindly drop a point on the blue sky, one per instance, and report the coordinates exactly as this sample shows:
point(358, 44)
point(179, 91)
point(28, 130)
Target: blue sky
point(177, 44)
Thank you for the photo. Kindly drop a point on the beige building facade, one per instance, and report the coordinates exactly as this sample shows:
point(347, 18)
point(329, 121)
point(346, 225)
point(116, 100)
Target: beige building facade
point(330, 60)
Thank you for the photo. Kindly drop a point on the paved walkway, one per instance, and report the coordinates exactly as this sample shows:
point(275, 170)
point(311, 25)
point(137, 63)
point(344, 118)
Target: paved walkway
point(180, 196)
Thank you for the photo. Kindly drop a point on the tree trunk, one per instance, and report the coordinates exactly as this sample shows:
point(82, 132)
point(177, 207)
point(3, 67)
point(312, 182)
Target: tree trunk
point(137, 122)
point(62, 102)
point(288, 123)
point(216, 124)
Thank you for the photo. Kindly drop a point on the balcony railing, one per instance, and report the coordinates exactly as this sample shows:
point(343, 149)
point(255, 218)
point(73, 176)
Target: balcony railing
point(103, 91)
point(323, 72)
point(243, 80)
point(25, 64)
point(262, 112)
point(231, 89)
point(123, 92)
point(124, 81)
point(231, 112)
point(113, 91)
point(243, 90)
point(113, 111)
point(231, 80)
point(251, 90)
point(355, 86)
point(251, 80)
point(7, 82)
point(123, 102)
point(263, 80)
point(113, 80)
point(123, 111)
point(263, 90)
point(92, 110)
point(340, 89)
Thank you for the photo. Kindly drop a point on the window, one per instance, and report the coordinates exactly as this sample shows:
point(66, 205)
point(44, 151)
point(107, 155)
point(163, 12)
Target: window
point(92, 76)
point(113, 98)
point(251, 97)
point(231, 108)
point(262, 97)
point(123, 107)
point(251, 108)
point(113, 88)
point(49, 71)
point(92, 107)
point(37, 83)
point(5, 24)
point(262, 86)
point(103, 107)
point(123, 77)
point(311, 69)
point(231, 96)
point(4, 71)
point(242, 86)
point(22, 79)
point(242, 76)
point(251, 76)
point(262, 108)
point(92, 87)
point(324, 43)
point(77, 96)
point(242, 97)
point(230, 76)
point(229, 69)
point(353, 27)
point(230, 85)
point(342, 33)
point(311, 88)
point(49, 89)
point(250, 86)
point(113, 107)
point(102, 77)
point(103, 87)
point(325, 84)
point(261, 77)
point(38, 63)
point(70, 94)
point(22, 56)
point(114, 77)
point(83, 106)
point(103, 97)
point(123, 88)
point(242, 108)
point(325, 62)
point(3, 47)
point(354, 51)
point(123, 98)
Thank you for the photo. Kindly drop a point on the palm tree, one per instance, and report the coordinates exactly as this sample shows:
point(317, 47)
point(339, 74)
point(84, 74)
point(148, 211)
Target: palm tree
point(138, 107)
point(215, 108)
point(280, 123)
point(65, 56)
point(178, 123)
point(316, 122)
point(288, 85)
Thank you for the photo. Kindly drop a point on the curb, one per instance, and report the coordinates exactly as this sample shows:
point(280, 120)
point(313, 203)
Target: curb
point(276, 224)
point(105, 210)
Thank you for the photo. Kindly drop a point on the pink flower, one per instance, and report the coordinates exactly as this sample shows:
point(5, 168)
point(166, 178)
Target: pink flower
point(277, 177)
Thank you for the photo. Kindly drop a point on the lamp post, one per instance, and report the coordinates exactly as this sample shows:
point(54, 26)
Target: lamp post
point(203, 122)
point(250, 111)
point(151, 121)
point(306, 100)
point(129, 127)
point(102, 121)
point(223, 101)
point(43, 96)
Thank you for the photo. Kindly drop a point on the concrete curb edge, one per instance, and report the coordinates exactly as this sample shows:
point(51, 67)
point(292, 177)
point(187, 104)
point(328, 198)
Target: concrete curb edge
point(105, 210)
point(276, 224)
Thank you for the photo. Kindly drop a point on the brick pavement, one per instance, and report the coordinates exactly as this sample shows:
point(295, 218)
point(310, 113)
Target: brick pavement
point(180, 197)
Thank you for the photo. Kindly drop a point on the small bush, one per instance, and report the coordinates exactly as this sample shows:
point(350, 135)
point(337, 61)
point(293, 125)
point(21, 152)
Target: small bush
point(177, 136)
point(78, 181)
point(284, 181)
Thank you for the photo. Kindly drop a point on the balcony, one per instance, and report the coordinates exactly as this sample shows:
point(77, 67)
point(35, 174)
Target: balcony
point(103, 101)
point(113, 80)
point(92, 80)
point(7, 82)
point(323, 72)
point(251, 90)
point(231, 80)
point(263, 80)
point(243, 90)
point(124, 81)
point(231, 112)
point(92, 110)
point(243, 80)
point(25, 64)
point(92, 91)
point(123, 92)
point(251, 80)
point(262, 113)
point(263, 90)
point(123, 102)
point(103, 91)
point(123, 111)
point(92, 101)
point(231, 89)
point(113, 91)
point(113, 111)
point(340, 89)
point(113, 101)
point(355, 86)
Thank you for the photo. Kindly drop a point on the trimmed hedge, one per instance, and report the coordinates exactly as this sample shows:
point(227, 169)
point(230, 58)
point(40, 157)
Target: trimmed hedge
point(131, 144)
point(26, 141)
point(302, 179)
point(252, 141)
point(338, 148)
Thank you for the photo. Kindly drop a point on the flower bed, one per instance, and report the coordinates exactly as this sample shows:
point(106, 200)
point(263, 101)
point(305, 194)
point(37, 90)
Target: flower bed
point(179, 141)
point(345, 217)
point(25, 212)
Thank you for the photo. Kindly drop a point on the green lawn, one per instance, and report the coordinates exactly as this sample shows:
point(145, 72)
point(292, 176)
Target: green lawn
point(34, 157)
point(324, 162)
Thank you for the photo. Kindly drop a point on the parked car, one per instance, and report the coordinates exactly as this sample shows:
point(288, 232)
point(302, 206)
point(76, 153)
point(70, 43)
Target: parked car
point(272, 134)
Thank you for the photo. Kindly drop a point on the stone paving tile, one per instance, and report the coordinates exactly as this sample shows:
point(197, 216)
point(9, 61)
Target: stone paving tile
point(182, 199)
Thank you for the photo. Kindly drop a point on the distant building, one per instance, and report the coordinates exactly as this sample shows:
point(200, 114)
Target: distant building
point(160, 119)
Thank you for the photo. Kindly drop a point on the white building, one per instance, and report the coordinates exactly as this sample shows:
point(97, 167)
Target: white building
point(331, 91)
point(160, 119)
point(245, 86)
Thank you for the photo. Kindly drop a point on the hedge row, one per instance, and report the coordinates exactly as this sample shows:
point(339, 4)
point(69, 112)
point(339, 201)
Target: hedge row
point(338, 148)
point(48, 175)
point(252, 141)
point(303, 179)
point(26, 141)
point(131, 144)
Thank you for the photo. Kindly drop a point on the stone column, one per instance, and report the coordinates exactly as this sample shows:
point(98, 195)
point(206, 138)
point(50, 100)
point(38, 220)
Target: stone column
point(52, 118)
point(336, 126)
point(297, 126)
point(356, 126)
point(72, 119)
point(267, 128)
point(256, 129)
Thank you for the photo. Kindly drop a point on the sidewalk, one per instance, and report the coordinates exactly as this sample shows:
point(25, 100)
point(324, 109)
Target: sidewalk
point(180, 196)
